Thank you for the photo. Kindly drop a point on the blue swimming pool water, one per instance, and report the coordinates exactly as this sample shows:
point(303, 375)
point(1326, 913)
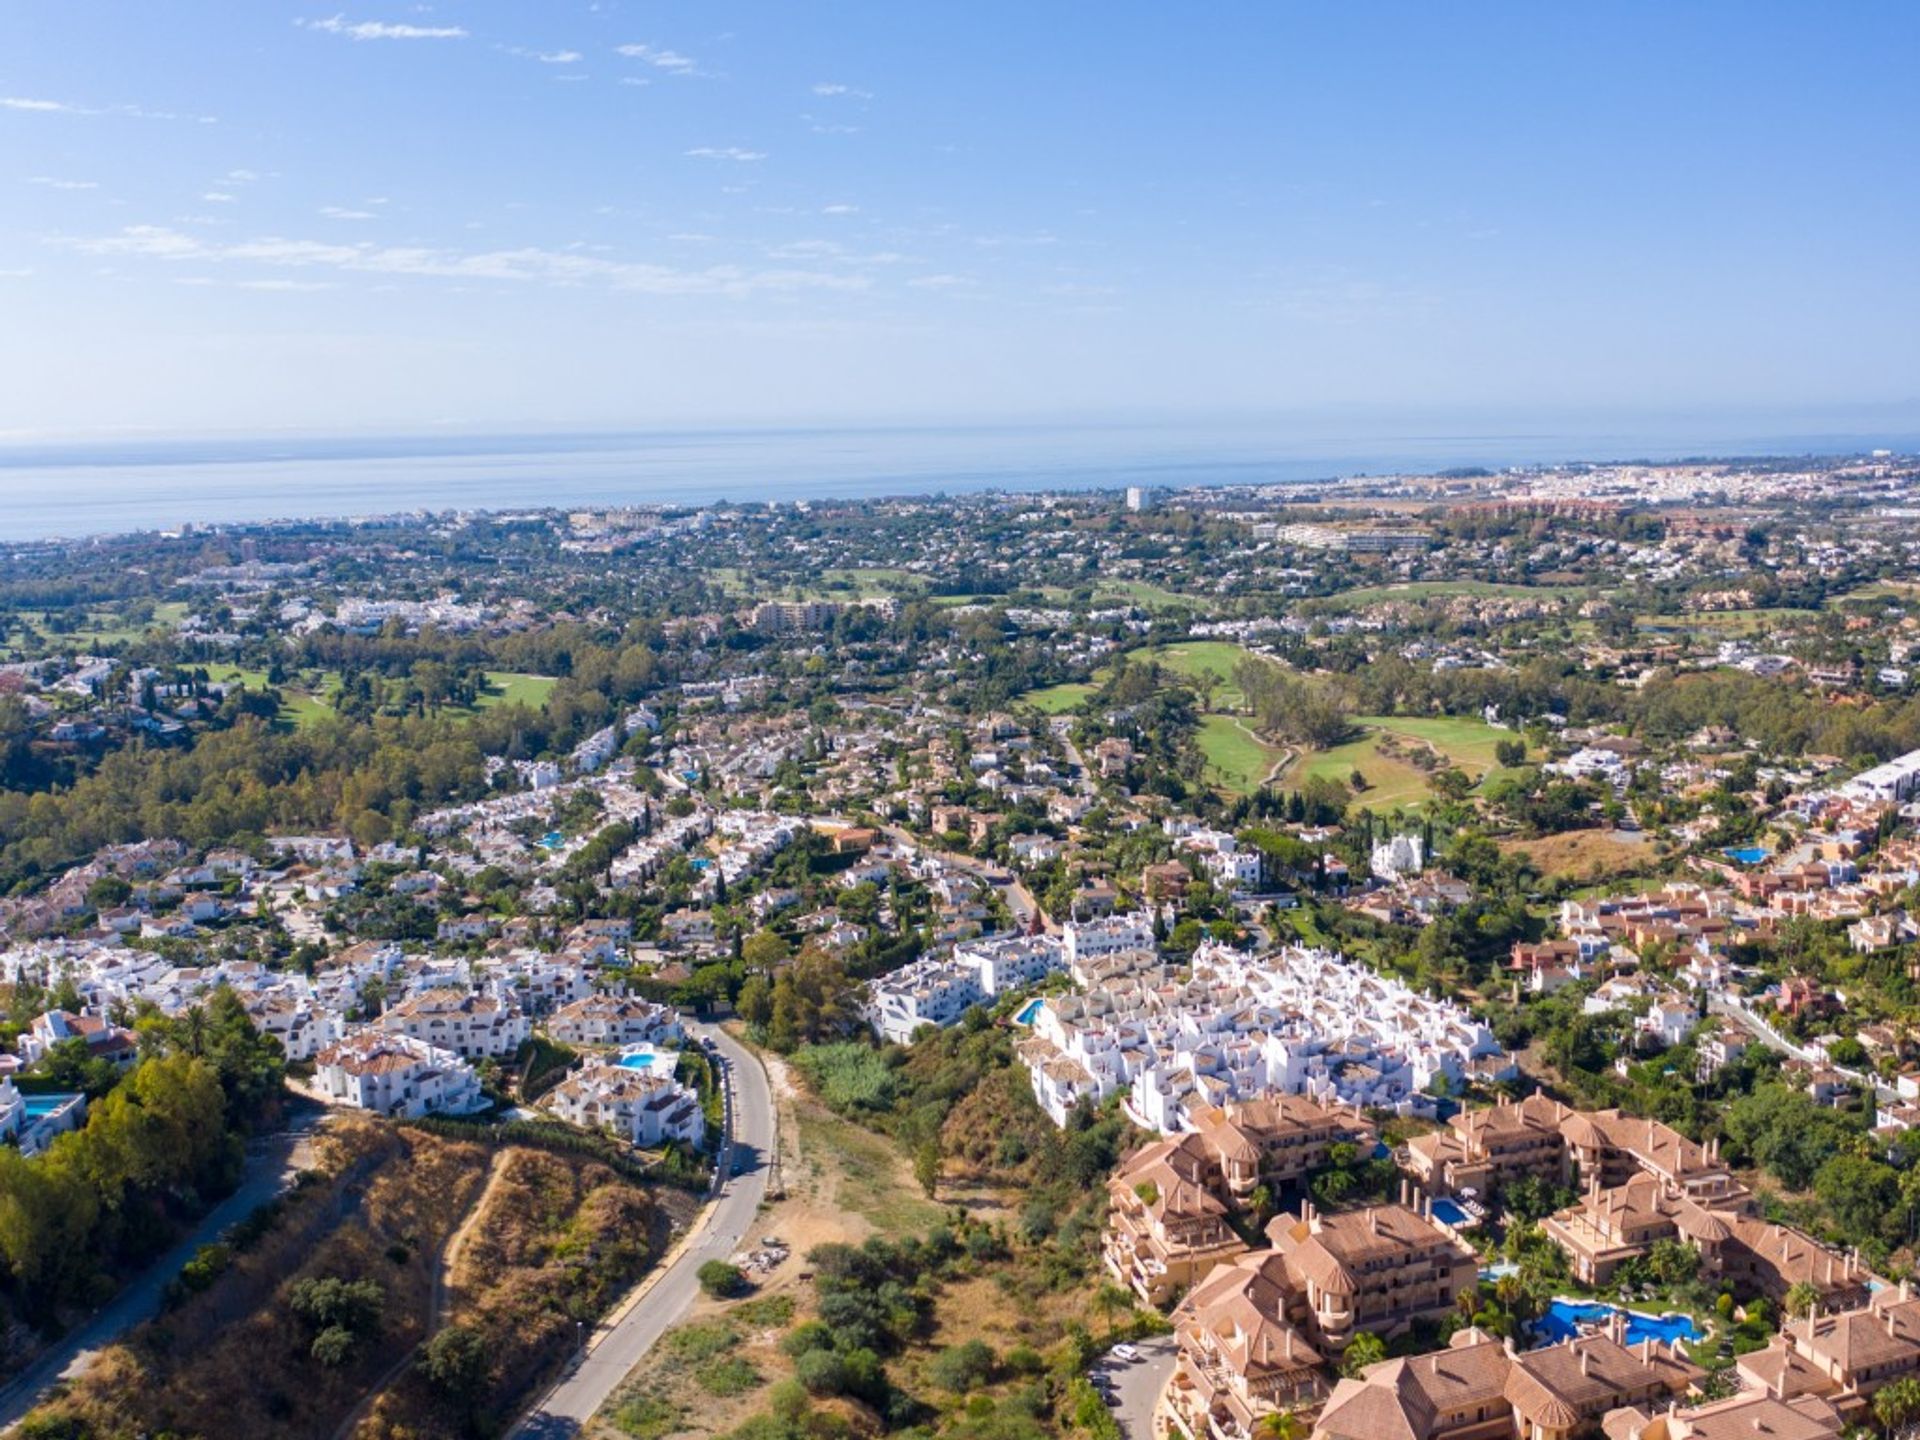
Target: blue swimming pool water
point(1565, 1317)
point(1448, 1213)
point(1746, 854)
point(552, 840)
point(657, 1062)
point(39, 1106)
point(1028, 1011)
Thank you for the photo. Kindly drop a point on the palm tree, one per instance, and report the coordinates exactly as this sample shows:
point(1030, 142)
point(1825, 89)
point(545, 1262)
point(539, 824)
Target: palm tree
point(1281, 1425)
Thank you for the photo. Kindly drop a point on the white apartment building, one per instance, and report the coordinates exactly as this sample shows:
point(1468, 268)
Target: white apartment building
point(615, 1020)
point(1109, 935)
point(1298, 1020)
point(397, 1076)
point(1895, 781)
point(302, 1027)
point(926, 992)
point(638, 1106)
point(466, 1022)
point(1003, 963)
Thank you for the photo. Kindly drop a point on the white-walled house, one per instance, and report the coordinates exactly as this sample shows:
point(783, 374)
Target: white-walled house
point(466, 1022)
point(638, 1106)
point(397, 1076)
point(614, 1020)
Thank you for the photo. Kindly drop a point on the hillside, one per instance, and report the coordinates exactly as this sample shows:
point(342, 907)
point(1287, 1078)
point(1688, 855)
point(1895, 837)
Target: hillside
point(297, 1331)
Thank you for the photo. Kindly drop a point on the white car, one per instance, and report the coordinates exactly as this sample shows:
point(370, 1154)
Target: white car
point(1126, 1353)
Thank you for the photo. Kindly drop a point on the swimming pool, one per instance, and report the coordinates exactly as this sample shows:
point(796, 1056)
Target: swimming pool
point(1448, 1213)
point(1746, 854)
point(1565, 1318)
point(40, 1106)
point(552, 840)
point(645, 1057)
point(1028, 1011)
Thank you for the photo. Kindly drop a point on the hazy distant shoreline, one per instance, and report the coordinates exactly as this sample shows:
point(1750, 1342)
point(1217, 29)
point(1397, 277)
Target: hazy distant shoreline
point(109, 488)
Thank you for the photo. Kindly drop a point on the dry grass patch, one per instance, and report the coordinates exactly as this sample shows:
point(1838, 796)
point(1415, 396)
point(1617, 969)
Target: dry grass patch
point(1585, 855)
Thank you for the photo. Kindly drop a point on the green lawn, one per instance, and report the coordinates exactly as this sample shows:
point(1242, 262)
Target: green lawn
point(307, 697)
point(506, 687)
point(1195, 658)
point(1393, 780)
point(1057, 699)
point(1139, 592)
point(304, 700)
point(1236, 759)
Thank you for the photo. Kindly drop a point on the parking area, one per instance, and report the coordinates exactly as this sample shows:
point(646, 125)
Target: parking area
point(1135, 1384)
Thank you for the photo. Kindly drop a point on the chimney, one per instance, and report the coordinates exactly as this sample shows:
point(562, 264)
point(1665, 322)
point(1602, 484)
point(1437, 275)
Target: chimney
point(1586, 1362)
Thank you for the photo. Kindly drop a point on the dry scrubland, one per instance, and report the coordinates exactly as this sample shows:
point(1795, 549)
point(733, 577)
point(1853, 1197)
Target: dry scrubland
point(543, 1239)
point(722, 1370)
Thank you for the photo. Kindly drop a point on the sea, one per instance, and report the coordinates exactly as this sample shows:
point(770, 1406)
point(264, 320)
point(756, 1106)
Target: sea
point(96, 488)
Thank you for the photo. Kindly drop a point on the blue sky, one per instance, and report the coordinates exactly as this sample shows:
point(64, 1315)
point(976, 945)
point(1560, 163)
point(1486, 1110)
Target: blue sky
point(398, 217)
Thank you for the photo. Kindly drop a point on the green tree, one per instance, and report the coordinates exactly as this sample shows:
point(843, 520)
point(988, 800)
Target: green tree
point(926, 1167)
point(720, 1280)
point(455, 1362)
point(1366, 1348)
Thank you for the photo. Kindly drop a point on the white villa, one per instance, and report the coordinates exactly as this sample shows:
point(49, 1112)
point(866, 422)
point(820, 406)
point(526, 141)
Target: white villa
point(635, 1104)
point(466, 1022)
point(398, 1076)
point(615, 1020)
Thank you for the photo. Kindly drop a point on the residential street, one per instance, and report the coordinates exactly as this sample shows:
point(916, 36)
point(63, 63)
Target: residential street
point(624, 1340)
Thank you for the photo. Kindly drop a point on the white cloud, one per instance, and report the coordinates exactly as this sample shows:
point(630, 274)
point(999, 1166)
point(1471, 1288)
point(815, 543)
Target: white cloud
point(839, 209)
point(725, 152)
point(831, 89)
point(242, 177)
point(283, 285)
point(52, 182)
point(62, 107)
point(669, 60)
point(942, 282)
point(218, 197)
point(636, 79)
point(338, 212)
point(525, 265)
point(383, 29)
point(545, 57)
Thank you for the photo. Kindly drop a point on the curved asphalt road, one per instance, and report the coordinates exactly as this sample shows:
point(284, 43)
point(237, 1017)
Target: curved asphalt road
point(632, 1330)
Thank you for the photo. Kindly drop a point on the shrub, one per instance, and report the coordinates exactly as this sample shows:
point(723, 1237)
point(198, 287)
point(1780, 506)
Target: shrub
point(721, 1280)
point(454, 1362)
point(333, 1346)
point(963, 1367)
point(329, 1303)
point(823, 1372)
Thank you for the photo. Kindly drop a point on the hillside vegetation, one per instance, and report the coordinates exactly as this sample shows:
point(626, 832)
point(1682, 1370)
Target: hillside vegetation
point(334, 1301)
